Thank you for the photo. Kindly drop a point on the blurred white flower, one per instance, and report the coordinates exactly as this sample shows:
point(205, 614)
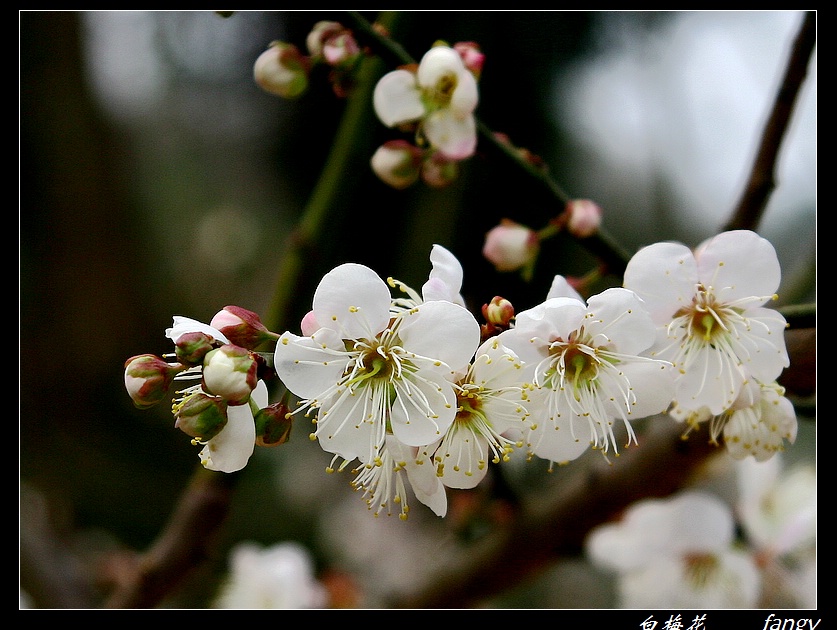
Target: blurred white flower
point(279, 576)
point(677, 552)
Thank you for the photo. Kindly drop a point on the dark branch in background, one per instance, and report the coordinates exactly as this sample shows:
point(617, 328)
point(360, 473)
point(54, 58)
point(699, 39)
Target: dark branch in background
point(552, 526)
point(762, 182)
point(184, 544)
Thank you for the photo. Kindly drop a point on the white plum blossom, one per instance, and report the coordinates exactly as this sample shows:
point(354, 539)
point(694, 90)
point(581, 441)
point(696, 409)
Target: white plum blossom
point(441, 94)
point(677, 552)
point(281, 576)
point(490, 408)
point(586, 370)
point(709, 309)
point(369, 370)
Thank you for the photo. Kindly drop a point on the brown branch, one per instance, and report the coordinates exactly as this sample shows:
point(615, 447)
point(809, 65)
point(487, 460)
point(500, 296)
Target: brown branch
point(761, 182)
point(552, 526)
point(183, 545)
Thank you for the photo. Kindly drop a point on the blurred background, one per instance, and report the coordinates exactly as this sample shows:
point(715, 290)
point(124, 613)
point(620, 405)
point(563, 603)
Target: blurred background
point(157, 179)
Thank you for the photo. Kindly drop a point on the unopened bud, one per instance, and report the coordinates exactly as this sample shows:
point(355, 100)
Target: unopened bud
point(231, 373)
point(511, 246)
point(323, 31)
point(499, 312)
point(200, 416)
point(242, 327)
point(397, 163)
point(273, 424)
point(472, 57)
point(192, 347)
point(584, 217)
point(341, 50)
point(282, 70)
point(148, 379)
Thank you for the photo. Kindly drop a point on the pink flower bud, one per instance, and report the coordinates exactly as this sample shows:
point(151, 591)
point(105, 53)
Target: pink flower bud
point(511, 246)
point(200, 416)
point(231, 373)
point(341, 50)
point(472, 57)
point(397, 163)
point(499, 312)
point(282, 70)
point(242, 327)
point(322, 32)
point(148, 379)
point(584, 217)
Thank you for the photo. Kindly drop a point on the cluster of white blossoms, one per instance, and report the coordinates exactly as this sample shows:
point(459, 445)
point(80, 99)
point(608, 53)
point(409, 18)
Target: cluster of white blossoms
point(405, 386)
point(435, 100)
point(409, 387)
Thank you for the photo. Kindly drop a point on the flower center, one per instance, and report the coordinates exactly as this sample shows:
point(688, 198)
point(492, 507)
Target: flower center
point(573, 362)
point(700, 568)
point(468, 403)
point(442, 91)
point(705, 317)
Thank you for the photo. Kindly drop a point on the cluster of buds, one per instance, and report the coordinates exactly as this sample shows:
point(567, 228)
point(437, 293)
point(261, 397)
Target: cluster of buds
point(284, 70)
point(400, 164)
point(512, 246)
point(433, 100)
point(226, 409)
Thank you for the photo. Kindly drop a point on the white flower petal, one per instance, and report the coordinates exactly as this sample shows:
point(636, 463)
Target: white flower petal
point(438, 63)
point(759, 341)
point(344, 423)
point(466, 95)
point(453, 135)
point(445, 280)
point(653, 382)
point(183, 325)
point(231, 449)
point(561, 288)
point(397, 98)
point(738, 264)
point(618, 319)
point(664, 276)
point(712, 379)
point(352, 300)
point(310, 366)
point(465, 460)
point(557, 438)
point(423, 409)
point(442, 331)
point(421, 474)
